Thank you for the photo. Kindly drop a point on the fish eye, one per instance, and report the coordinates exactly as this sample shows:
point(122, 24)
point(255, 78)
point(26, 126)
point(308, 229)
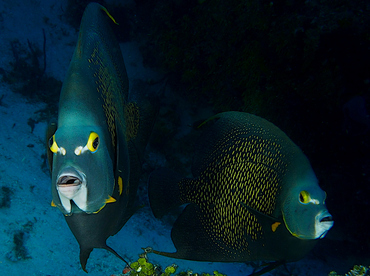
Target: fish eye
point(304, 197)
point(53, 144)
point(93, 142)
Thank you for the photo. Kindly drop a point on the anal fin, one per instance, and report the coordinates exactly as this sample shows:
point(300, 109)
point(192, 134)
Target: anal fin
point(191, 240)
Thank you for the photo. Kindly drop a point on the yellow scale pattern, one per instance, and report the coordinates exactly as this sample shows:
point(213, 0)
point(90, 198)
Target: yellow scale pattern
point(244, 168)
point(132, 119)
point(107, 87)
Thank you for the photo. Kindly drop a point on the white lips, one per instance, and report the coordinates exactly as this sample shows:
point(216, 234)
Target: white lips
point(72, 186)
point(69, 190)
point(323, 223)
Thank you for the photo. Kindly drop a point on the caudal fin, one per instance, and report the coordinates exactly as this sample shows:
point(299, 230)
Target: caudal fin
point(85, 254)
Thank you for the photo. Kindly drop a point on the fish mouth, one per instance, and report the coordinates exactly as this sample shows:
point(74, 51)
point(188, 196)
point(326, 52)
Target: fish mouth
point(324, 221)
point(328, 218)
point(71, 186)
point(70, 182)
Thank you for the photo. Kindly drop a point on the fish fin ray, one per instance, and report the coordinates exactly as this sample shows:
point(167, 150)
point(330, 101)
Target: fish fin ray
point(258, 213)
point(266, 221)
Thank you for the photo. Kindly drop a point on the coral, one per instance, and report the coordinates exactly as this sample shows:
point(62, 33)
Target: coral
point(142, 267)
point(358, 270)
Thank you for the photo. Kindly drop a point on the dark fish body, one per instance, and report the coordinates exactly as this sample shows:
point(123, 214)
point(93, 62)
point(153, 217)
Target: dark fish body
point(254, 195)
point(96, 148)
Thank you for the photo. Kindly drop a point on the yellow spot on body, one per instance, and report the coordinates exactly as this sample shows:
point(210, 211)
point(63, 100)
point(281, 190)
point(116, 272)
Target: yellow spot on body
point(274, 226)
point(120, 185)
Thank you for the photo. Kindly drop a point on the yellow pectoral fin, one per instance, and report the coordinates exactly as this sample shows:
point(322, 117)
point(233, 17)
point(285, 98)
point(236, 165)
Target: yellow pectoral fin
point(274, 226)
point(53, 204)
point(110, 200)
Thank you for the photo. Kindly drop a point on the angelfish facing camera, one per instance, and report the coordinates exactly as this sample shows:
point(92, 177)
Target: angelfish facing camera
point(95, 149)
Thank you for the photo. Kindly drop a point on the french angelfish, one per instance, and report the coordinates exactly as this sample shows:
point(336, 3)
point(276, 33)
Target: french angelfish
point(96, 147)
point(254, 195)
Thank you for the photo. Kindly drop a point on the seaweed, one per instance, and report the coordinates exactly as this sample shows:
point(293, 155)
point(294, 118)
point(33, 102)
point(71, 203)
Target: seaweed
point(27, 75)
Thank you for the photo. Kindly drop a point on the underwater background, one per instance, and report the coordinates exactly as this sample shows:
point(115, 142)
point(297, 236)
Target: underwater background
point(304, 66)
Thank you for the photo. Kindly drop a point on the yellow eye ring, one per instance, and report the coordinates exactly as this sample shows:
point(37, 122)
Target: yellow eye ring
point(304, 197)
point(53, 144)
point(93, 142)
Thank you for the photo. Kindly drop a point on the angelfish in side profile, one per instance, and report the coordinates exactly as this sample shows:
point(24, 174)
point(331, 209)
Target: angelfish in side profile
point(254, 196)
point(96, 147)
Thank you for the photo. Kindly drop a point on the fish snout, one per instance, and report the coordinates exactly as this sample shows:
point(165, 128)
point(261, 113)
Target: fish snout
point(70, 182)
point(323, 222)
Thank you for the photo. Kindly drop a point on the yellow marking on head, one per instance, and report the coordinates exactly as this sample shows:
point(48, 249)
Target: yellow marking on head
point(78, 150)
point(53, 204)
point(109, 200)
point(93, 142)
point(120, 185)
point(109, 15)
point(274, 226)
